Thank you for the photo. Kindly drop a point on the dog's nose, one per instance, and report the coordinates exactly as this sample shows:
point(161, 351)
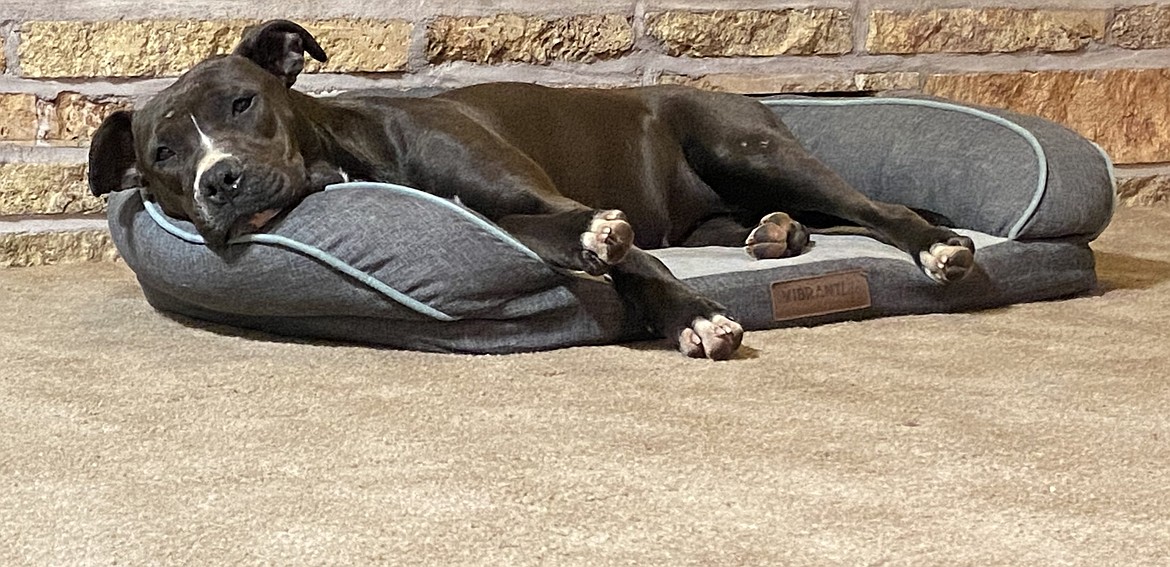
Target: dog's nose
point(222, 180)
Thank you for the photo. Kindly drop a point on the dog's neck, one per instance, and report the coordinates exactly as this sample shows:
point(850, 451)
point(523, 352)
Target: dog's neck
point(336, 138)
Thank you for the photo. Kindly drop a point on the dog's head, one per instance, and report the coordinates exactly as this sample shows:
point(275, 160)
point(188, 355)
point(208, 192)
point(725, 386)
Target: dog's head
point(220, 146)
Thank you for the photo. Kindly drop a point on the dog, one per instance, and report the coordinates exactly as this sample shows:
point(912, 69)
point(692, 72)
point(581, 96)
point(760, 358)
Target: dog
point(586, 178)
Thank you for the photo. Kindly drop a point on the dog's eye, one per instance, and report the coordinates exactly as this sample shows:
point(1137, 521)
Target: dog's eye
point(162, 154)
point(242, 104)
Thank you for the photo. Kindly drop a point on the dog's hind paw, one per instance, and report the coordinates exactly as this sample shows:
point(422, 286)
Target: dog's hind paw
point(716, 338)
point(948, 261)
point(777, 236)
point(608, 237)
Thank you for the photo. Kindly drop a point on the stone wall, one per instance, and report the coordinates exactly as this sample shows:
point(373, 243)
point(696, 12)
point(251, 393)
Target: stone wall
point(1100, 67)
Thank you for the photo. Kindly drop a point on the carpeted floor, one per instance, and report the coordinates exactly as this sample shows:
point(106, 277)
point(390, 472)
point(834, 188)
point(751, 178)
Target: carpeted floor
point(1033, 435)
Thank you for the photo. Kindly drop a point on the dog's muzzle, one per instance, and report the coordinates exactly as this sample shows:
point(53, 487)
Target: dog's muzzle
point(233, 199)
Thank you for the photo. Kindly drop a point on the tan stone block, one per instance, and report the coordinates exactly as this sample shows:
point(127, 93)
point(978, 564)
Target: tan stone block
point(529, 39)
point(361, 45)
point(752, 33)
point(983, 30)
point(888, 81)
point(18, 117)
point(777, 83)
point(136, 48)
point(159, 48)
point(73, 118)
point(45, 188)
point(762, 84)
point(24, 249)
point(1141, 27)
point(1144, 190)
point(1126, 111)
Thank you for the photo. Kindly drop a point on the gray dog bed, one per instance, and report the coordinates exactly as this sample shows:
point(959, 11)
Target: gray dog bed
point(393, 266)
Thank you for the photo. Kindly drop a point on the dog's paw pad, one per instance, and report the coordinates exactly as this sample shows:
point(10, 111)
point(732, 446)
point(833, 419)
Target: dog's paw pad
point(716, 338)
point(777, 236)
point(609, 236)
point(949, 261)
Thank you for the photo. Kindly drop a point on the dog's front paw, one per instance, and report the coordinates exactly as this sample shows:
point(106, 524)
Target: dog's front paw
point(948, 261)
point(606, 240)
point(716, 338)
point(777, 236)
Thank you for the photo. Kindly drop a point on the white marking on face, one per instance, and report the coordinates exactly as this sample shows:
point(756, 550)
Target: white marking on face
point(212, 155)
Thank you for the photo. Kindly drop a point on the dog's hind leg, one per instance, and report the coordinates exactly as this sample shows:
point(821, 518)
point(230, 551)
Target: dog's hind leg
point(803, 182)
point(776, 236)
point(751, 160)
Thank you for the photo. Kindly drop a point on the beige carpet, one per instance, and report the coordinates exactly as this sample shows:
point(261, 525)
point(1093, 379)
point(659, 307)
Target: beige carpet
point(1034, 435)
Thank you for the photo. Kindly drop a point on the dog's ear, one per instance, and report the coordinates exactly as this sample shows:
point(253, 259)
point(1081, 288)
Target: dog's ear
point(111, 155)
point(279, 46)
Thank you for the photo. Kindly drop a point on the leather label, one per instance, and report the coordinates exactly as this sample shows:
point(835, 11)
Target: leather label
point(820, 295)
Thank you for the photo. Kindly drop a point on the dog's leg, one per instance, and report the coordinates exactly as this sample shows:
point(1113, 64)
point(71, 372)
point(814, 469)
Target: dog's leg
point(509, 189)
point(697, 326)
point(588, 240)
point(808, 185)
point(776, 236)
point(753, 162)
point(501, 183)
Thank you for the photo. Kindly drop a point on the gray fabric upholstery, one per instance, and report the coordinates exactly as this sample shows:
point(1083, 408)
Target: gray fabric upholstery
point(1008, 271)
point(990, 170)
point(981, 174)
point(504, 299)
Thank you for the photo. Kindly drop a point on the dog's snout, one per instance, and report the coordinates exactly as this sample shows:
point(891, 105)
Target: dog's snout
point(222, 180)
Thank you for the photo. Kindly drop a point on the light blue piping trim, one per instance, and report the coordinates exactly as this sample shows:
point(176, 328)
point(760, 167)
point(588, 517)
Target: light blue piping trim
point(1041, 157)
point(336, 263)
point(448, 204)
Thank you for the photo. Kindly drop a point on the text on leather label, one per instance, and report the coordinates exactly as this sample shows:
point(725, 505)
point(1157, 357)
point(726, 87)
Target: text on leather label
point(820, 295)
